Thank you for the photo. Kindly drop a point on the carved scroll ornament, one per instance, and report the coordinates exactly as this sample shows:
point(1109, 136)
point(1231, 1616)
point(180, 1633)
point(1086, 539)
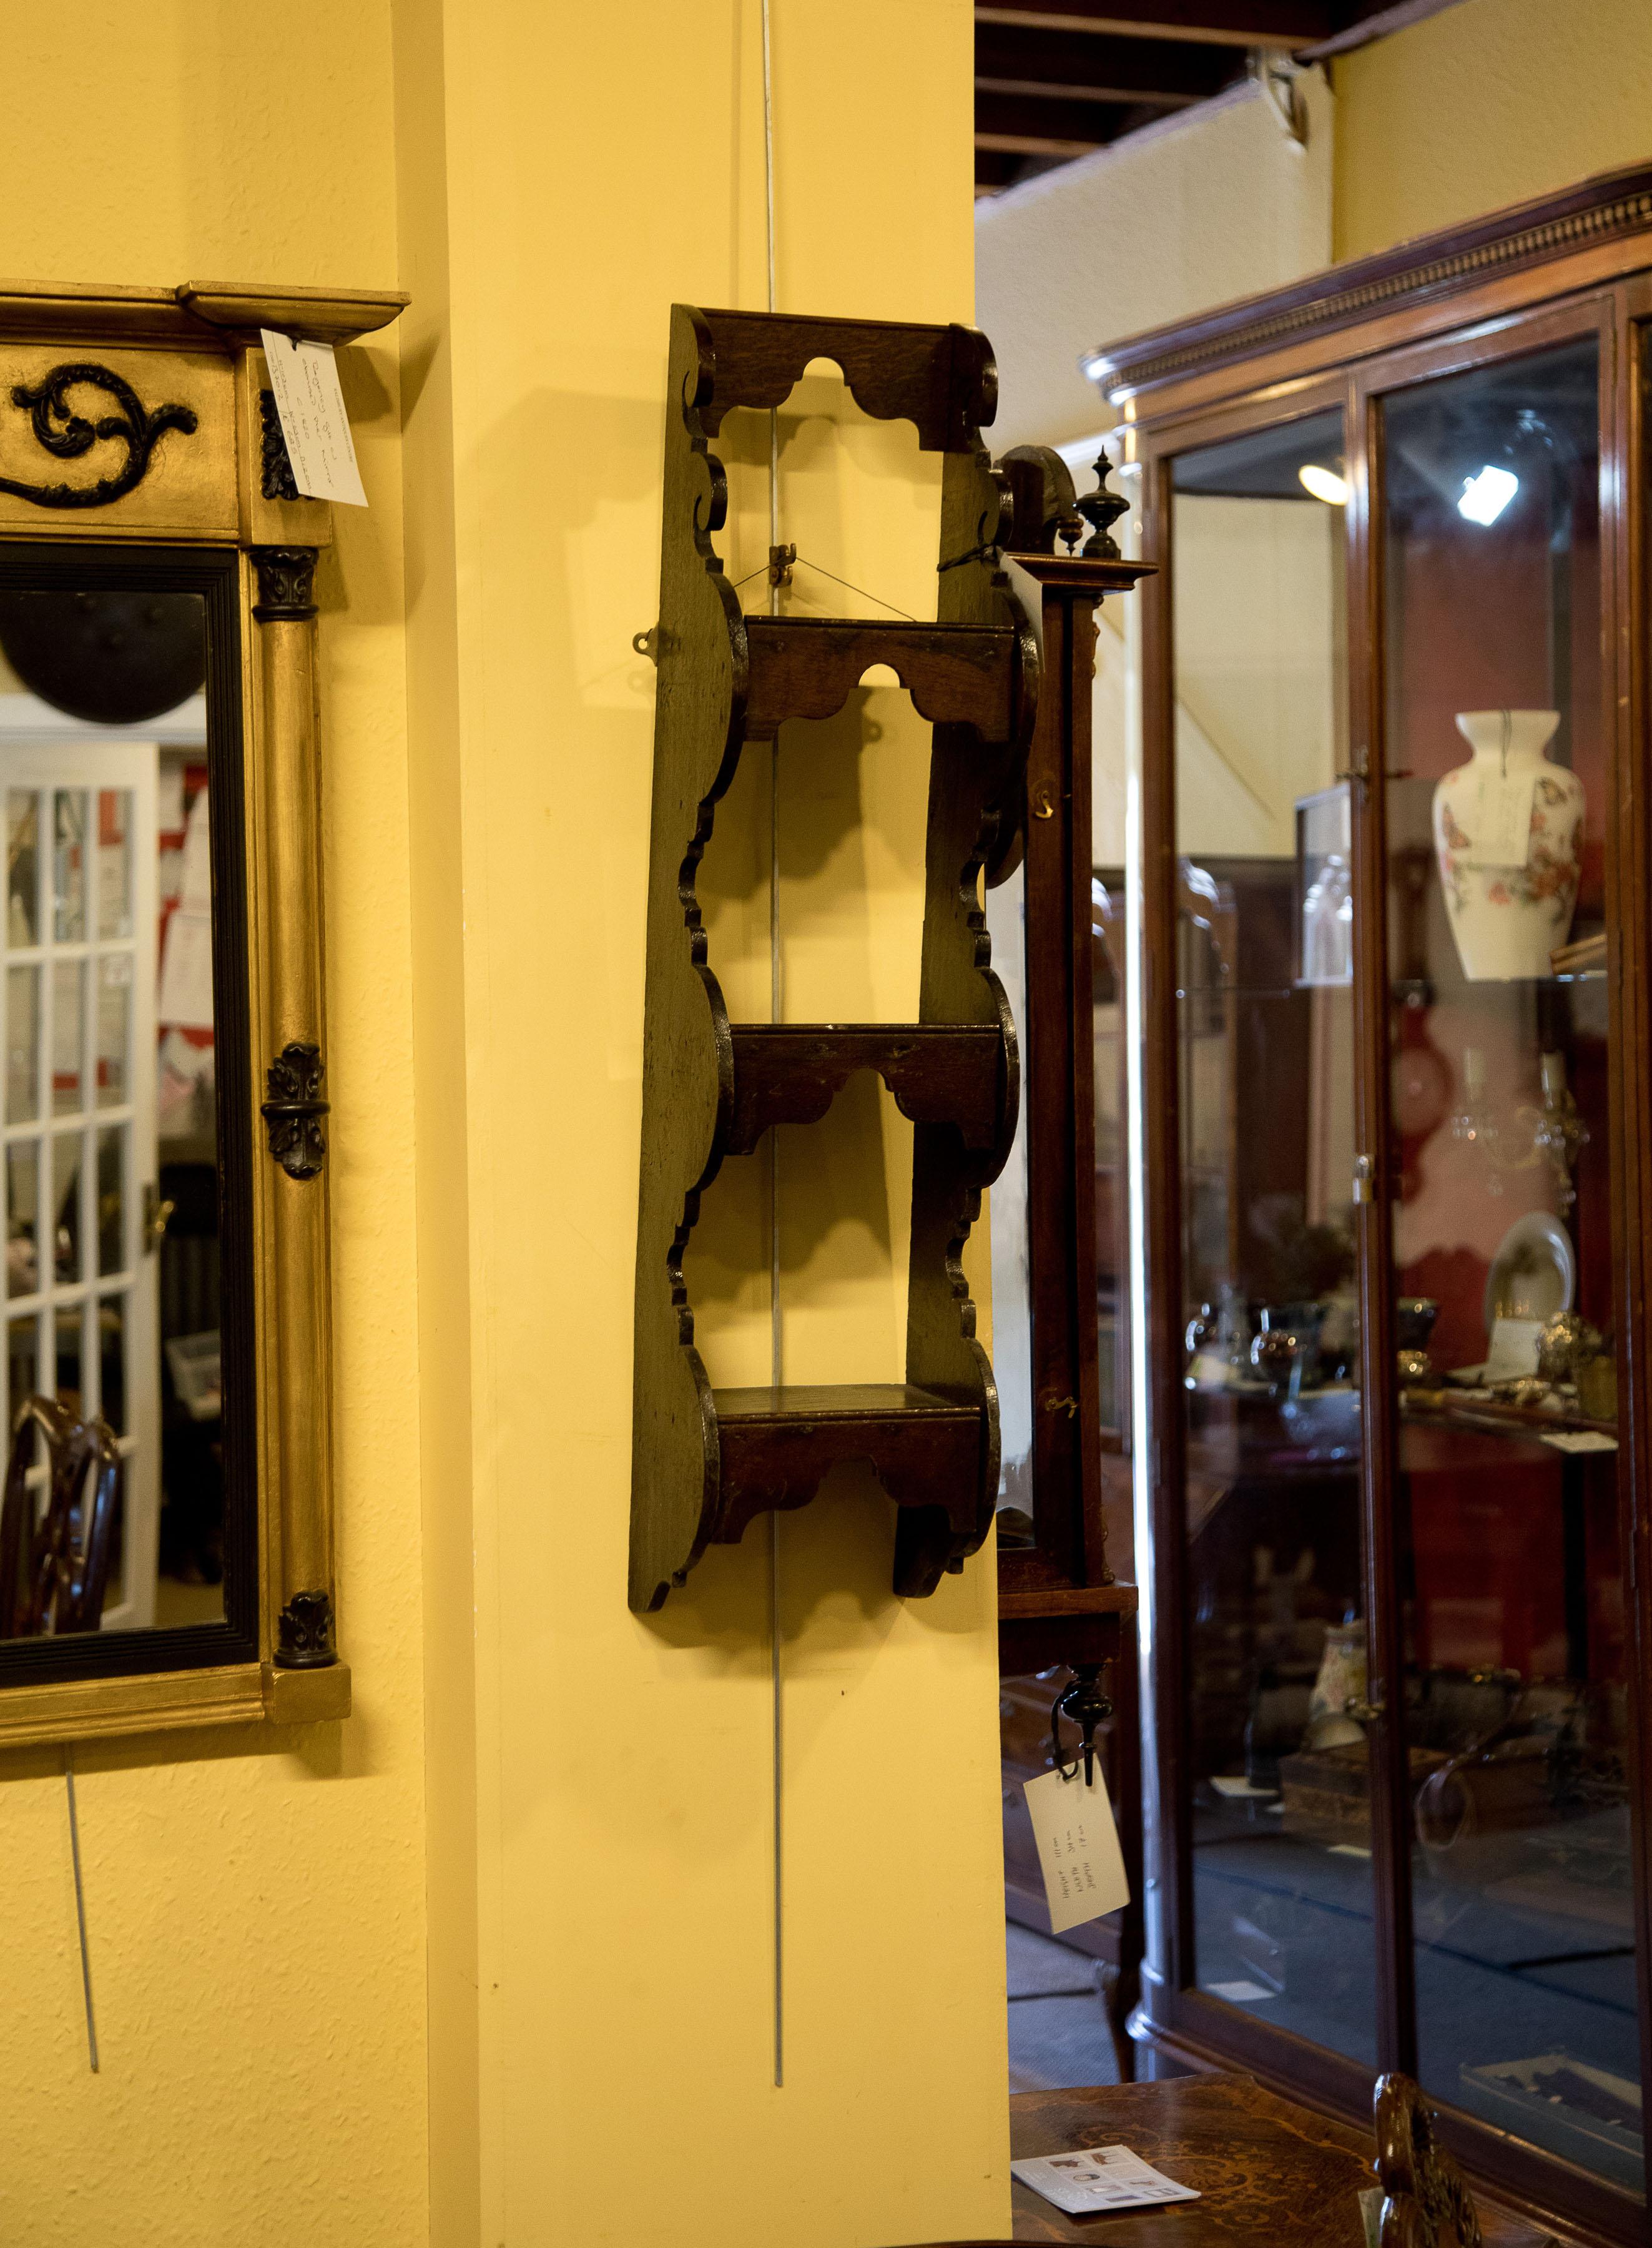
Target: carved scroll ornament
point(68, 436)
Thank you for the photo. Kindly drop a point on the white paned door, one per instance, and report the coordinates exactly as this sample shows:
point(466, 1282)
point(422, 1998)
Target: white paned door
point(77, 1004)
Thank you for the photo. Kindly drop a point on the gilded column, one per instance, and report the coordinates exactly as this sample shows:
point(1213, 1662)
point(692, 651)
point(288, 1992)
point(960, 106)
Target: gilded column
point(295, 1108)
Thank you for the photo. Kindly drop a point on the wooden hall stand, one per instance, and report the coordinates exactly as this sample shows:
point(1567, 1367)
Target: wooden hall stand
point(1060, 1606)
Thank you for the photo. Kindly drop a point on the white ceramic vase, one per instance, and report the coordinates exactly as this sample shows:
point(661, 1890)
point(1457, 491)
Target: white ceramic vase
point(1508, 911)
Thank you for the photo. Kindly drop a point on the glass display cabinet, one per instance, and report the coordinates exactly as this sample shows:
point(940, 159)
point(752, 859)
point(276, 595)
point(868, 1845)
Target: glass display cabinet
point(1396, 1101)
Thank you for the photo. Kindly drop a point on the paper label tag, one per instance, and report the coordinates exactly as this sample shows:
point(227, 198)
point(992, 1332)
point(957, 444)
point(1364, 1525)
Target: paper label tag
point(1502, 824)
point(1579, 1440)
point(1102, 2177)
point(304, 378)
point(1078, 1852)
point(1514, 1349)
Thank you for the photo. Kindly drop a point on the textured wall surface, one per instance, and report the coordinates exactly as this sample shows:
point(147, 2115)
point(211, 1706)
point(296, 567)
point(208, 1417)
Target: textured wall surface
point(600, 1785)
point(255, 1898)
point(1491, 102)
point(1211, 206)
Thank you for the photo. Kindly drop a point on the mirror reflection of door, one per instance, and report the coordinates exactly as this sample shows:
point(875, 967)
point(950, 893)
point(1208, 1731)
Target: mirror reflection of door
point(110, 1128)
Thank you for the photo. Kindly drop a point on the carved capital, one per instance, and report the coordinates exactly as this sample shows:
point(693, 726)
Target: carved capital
point(294, 1109)
point(303, 1634)
point(286, 584)
point(276, 479)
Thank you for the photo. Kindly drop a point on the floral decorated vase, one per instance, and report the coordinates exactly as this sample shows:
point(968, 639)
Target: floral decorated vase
point(1508, 834)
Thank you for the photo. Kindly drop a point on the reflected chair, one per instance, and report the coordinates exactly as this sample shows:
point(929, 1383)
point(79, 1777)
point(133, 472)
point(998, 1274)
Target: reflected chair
point(1426, 2203)
point(54, 1566)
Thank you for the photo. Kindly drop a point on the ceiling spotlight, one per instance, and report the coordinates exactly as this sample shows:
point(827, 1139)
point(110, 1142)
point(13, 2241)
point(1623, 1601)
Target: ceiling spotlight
point(1324, 484)
point(1485, 497)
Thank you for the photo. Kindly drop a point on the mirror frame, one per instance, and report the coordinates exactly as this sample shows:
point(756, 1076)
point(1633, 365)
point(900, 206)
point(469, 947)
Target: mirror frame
point(186, 485)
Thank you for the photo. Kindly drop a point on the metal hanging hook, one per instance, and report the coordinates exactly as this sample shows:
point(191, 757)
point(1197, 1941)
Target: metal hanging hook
point(1083, 1701)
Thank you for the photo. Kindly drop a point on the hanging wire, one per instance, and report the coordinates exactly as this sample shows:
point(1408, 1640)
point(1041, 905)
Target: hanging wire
point(775, 1330)
point(802, 562)
point(80, 1910)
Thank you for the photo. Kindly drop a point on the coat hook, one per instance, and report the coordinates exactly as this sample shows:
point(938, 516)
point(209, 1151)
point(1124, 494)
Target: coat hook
point(1084, 1702)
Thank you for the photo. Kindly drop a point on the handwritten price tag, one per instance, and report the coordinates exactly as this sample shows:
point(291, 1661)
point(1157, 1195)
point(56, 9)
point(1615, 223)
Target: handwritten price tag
point(1503, 822)
point(1078, 1852)
point(304, 378)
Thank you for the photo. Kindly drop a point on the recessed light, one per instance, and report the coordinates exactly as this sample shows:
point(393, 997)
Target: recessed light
point(1324, 484)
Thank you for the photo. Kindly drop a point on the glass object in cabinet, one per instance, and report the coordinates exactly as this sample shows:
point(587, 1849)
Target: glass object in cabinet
point(1510, 1581)
point(1281, 1808)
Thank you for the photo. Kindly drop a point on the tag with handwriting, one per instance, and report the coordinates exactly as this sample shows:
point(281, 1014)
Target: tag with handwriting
point(304, 378)
point(1502, 824)
point(1078, 1852)
point(1513, 1353)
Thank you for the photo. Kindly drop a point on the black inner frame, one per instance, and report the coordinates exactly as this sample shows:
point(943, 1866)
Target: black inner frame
point(214, 573)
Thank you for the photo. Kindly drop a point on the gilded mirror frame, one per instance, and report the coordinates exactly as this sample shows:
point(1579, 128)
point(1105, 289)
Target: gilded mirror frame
point(178, 478)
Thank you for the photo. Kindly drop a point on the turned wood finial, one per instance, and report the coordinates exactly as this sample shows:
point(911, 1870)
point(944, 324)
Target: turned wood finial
point(1101, 510)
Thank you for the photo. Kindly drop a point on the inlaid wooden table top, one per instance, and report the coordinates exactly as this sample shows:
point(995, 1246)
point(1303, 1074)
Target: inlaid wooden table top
point(1269, 2173)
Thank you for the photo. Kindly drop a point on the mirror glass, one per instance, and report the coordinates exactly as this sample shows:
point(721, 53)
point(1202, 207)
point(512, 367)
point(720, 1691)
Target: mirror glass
point(112, 1038)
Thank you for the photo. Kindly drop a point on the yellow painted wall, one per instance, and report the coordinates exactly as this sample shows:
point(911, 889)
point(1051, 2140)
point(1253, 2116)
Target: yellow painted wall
point(492, 1963)
point(1489, 103)
point(256, 1899)
point(600, 1785)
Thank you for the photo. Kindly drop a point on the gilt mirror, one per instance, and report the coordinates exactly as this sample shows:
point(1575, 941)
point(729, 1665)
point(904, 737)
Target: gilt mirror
point(126, 1138)
point(166, 1534)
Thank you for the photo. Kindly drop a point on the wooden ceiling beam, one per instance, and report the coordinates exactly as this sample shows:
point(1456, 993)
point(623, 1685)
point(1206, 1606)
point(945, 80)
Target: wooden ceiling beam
point(1003, 119)
point(1285, 23)
point(1138, 70)
point(1032, 144)
point(1042, 90)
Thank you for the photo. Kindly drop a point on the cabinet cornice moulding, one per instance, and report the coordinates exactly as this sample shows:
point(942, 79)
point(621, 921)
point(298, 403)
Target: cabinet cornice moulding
point(1610, 209)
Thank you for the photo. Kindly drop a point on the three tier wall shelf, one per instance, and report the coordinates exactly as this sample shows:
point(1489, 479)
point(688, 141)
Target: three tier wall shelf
point(706, 1461)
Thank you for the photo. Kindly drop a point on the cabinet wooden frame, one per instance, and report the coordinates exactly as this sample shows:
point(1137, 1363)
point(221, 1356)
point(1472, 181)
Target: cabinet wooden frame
point(186, 487)
point(1571, 266)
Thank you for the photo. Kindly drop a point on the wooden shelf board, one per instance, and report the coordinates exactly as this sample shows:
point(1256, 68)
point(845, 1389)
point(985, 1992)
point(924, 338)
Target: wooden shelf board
point(937, 1072)
point(1068, 1600)
point(844, 1405)
point(807, 667)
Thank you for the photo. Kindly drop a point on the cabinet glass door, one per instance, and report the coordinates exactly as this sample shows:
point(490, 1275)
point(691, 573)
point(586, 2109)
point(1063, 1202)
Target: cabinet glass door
point(1511, 1577)
point(1280, 1811)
